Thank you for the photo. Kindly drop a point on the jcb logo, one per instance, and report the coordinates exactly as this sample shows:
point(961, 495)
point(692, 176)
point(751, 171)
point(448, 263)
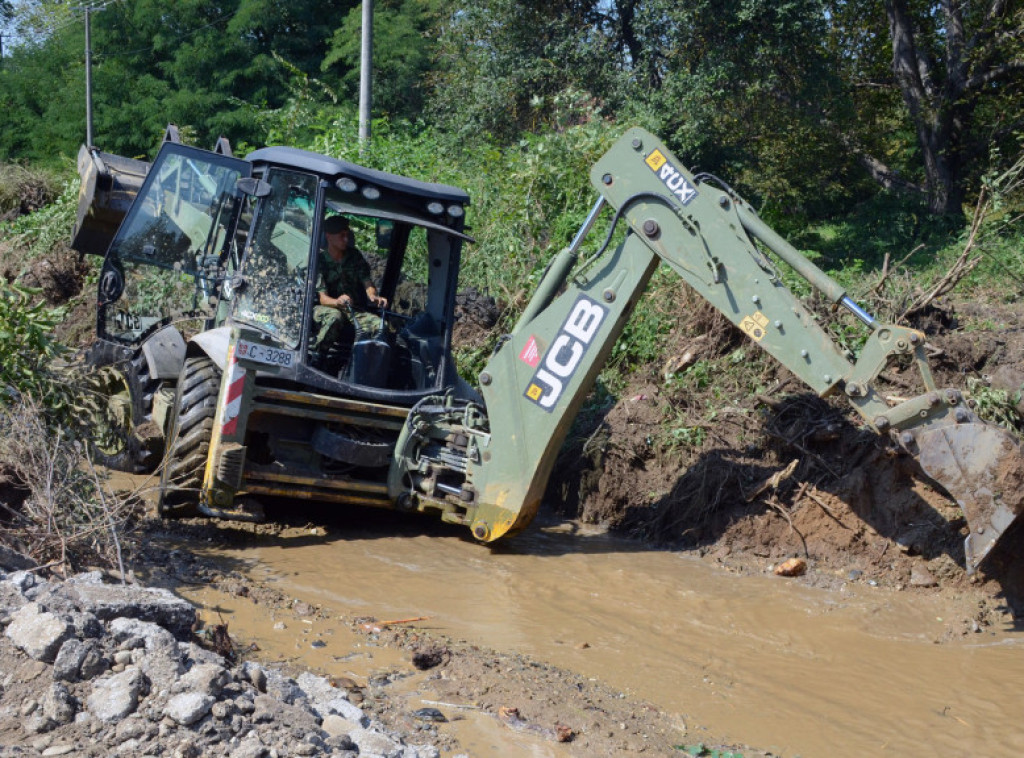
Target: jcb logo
point(566, 351)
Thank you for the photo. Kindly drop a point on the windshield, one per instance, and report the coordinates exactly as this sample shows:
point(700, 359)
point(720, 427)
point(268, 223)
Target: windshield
point(275, 265)
point(174, 245)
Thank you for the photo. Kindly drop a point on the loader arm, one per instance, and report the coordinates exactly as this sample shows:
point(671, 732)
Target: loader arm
point(535, 383)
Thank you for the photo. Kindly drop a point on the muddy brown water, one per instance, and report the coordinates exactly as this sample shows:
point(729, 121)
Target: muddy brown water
point(759, 660)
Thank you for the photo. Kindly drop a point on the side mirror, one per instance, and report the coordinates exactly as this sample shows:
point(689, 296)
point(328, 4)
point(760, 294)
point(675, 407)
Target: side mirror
point(250, 185)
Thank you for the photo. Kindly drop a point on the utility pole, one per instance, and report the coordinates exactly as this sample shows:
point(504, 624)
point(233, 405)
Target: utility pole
point(365, 75)
point(88, 78)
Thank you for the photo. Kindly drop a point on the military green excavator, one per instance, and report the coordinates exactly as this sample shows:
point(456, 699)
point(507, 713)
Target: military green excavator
point(206, 324)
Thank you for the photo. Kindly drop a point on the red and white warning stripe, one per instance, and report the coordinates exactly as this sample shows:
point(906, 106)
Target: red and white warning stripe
point(233, 398)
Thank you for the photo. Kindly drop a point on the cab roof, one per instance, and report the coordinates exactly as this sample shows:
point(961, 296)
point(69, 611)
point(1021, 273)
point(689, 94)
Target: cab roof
point(333, 169)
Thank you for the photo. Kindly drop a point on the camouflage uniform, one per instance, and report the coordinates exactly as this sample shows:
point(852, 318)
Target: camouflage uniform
point(349, 276)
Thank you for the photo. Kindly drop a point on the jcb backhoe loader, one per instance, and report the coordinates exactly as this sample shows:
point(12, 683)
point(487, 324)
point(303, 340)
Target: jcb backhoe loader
point(249, 409)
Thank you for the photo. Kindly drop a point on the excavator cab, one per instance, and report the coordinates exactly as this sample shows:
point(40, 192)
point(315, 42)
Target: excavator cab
point(409, 235)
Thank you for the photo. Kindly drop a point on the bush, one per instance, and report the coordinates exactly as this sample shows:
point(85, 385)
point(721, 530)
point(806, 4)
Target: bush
point(54, 506)
point(29, 365)
point(24, 190)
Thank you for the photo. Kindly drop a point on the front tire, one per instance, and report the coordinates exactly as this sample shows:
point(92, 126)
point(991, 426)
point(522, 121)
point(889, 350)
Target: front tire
point(195, 406)
point(122, 434)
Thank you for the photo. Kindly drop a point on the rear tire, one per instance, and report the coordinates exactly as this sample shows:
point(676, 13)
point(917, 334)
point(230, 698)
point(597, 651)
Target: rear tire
point(195, 405)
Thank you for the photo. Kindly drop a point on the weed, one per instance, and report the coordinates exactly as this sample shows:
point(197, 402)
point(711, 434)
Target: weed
point(55, 507)
point(26, 326)
point(996, 406)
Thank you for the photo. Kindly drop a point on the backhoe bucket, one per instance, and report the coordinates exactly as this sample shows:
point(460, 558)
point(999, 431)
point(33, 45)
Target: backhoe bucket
point(982, 467)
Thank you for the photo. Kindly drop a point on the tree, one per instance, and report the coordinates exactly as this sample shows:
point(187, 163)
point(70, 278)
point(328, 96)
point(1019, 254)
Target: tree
point(948, 58)
point(503, 63)
point(403, 53)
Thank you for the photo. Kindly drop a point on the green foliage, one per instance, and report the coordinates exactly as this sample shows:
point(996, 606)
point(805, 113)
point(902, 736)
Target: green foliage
point(996, 406)
point(37, 234)
point(26, 327)
point(403, 53)
point(503, 64)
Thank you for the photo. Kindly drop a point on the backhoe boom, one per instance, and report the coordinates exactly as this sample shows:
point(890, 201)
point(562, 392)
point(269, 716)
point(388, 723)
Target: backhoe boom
point(534, 385)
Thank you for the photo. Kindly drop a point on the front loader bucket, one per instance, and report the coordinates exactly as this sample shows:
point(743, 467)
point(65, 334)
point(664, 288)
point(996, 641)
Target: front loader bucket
point(982, 467)
point(109, 185)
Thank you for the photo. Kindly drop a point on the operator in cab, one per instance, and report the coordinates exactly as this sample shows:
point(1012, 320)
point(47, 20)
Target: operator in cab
point(345, 292)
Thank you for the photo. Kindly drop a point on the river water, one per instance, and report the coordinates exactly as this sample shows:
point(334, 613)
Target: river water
point(769, 662)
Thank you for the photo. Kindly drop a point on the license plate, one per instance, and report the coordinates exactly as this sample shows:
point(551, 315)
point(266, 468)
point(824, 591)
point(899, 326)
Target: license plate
point(271, 356)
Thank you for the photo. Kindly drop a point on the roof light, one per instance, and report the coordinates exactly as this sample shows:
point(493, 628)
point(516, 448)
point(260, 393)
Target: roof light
point(455, 211)
point(346, 184)
point(435, 207)
point(370, 192)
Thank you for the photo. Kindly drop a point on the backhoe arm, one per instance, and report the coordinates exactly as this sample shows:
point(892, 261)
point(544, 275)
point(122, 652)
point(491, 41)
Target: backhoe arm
point(535, 383)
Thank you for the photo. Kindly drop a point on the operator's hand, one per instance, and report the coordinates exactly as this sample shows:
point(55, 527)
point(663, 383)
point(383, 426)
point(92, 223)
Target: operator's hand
point(377, 300)
point(343, 301)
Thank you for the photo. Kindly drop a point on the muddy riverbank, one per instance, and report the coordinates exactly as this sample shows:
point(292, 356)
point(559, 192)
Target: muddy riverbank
point(629, 648)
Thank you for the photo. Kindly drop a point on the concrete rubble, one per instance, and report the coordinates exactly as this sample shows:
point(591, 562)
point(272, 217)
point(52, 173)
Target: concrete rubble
point(97, 669)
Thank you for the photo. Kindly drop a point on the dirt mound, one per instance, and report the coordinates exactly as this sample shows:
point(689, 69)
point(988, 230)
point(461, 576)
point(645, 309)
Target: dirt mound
point(722, 450)
point(476, 314)
point(59, 276)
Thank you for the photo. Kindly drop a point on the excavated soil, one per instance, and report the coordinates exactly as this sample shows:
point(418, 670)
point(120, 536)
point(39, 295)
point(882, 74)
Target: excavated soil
point(783, 473)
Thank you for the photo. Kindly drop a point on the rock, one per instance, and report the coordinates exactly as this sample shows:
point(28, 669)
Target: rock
point(282, 688)
point(117, 696)
point(270, 710)
point(94, 663)
point(130, 729)
point(58, 704)
point(86, 625)
point(197, 654)
point(58, 750)
point(39, 723)
point(153, 636)
point(429, 714)
point(67, 665)
point(22, 581)
point(123, 657)
point(342, 746)
point(207, 678)
point(326, 699)
point(250, 747)
point(792, 567)
point(920, 576)
point(255, 674)
point(336, 726)
point(375, 743)
point(188, 707)
point(38, 633)
point(112, 601)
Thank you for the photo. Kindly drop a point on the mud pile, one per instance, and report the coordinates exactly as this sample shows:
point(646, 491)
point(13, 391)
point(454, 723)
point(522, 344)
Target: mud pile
point(684, 460)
